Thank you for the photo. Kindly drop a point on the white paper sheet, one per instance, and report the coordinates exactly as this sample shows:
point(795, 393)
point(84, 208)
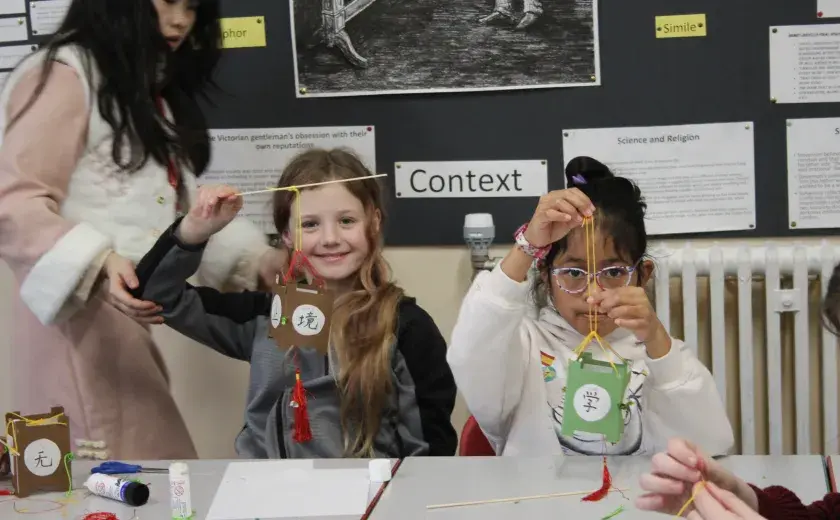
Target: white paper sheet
point(47, 15)
point(828, 8)
point(13, 29)
point(12, 7)
point(471, 179)
point(271, 489)
point(11, 55)
point(254, 158)
point(813, 154)
point(694, 178)
point(805, 63)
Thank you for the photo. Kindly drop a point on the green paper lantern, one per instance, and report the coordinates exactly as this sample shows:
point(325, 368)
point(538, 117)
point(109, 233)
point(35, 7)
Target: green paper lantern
point(594, 396)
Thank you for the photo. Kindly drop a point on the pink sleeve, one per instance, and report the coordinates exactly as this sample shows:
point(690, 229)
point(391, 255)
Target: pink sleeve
point(49, 255)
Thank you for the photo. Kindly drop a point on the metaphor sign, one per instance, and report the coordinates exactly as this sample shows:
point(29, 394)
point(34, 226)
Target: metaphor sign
point(246, 31)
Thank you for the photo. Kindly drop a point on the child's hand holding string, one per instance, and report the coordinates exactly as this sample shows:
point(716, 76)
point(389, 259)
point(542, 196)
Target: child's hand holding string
point(215, 208)
point(675, 473)
point(557, 213)
point(630, 308)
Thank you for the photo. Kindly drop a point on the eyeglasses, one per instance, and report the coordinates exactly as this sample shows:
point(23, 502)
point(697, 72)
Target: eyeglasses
point(574, 280)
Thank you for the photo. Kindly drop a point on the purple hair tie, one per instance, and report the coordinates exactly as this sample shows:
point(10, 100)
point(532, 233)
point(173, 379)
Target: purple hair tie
point(578, 179)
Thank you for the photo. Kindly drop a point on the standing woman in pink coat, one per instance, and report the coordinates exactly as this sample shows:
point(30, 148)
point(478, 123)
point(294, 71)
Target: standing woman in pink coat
point(102, 141)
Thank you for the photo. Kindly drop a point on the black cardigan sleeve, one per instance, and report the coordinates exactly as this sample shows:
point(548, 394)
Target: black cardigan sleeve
point(424, 350)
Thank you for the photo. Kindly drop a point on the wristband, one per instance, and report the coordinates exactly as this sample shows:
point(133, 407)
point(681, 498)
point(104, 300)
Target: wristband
point(531, 250)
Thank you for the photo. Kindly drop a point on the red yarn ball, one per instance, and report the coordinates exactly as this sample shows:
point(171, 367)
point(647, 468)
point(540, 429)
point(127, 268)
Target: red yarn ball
point(101, 516)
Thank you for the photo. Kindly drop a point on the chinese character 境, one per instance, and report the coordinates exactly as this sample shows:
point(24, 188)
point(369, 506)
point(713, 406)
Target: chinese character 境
point(311, 321)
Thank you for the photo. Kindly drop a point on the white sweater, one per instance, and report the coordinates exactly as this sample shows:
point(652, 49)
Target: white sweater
point(496, 354)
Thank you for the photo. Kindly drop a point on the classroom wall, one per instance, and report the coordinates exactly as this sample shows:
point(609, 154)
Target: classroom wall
point(210, 389)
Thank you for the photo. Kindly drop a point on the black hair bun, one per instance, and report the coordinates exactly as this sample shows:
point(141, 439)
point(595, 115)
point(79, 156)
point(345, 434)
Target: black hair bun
point(585, 170)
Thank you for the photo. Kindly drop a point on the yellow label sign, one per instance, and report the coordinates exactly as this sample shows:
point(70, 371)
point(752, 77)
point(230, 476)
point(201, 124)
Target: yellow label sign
point(246, 31)
point(681, 26)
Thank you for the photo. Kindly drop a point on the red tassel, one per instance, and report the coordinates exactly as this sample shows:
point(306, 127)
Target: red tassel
point(605, 486)
point(302, 431)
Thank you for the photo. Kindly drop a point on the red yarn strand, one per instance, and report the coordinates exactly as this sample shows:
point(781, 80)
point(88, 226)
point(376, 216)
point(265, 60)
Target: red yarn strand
point(299, 263)
point(303, 432)
point(606, 484)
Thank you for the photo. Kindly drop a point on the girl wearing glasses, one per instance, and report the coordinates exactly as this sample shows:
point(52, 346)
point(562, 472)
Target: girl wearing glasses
point(514, 336)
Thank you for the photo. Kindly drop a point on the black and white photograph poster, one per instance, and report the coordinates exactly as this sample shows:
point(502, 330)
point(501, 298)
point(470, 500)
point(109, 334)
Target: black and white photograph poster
point(382, 47)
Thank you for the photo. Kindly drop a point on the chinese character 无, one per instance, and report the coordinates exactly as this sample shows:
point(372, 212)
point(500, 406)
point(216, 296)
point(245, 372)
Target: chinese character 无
point(40, 460)
point(311, 321)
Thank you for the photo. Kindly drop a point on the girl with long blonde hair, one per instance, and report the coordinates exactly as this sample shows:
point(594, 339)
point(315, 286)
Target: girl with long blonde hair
point(384, 389)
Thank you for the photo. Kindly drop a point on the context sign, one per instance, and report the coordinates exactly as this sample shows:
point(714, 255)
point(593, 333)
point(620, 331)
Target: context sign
point(471, 179)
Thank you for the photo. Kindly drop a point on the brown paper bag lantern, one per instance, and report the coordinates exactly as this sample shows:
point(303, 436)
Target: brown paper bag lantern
point(39, 449)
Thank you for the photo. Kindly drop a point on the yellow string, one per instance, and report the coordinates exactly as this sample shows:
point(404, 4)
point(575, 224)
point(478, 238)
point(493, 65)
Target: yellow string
point(299, 228)
point(334, 181)
point(691, 499)
point(591, 267)
point(296, 190)
point(298, 235)
point(11, 428)
point(57, 505)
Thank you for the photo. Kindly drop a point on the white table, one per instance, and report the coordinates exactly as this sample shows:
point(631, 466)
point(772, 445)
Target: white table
point(205, 477)
point(428, 481)
point(421, 482)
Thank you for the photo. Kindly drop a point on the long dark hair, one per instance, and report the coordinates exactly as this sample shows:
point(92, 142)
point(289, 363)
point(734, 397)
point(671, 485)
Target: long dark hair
point(620, 214)
point(124, 41)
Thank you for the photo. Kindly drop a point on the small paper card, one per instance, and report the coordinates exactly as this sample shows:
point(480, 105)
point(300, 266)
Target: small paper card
point(275, 317)
point(300, 316)
point(594, 393)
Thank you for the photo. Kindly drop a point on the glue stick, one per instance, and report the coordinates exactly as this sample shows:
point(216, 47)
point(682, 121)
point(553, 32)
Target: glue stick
point(179, 490)
point(127, 491)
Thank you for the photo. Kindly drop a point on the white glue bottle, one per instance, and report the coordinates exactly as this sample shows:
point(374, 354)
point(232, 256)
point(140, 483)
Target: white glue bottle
point(127, 491)
point(179, 491)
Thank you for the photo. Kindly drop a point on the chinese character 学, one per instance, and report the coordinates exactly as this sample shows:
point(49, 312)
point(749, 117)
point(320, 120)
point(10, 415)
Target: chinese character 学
point(592, 398)
point(311, 321)
point(39, 460)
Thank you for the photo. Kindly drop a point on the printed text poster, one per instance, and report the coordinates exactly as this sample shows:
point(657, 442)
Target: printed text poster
point(694, 178)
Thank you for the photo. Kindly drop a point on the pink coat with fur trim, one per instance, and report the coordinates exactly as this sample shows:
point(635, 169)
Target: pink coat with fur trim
point(64, 205)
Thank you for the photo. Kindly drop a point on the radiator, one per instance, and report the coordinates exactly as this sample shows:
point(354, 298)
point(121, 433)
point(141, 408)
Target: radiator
point(782, 273)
